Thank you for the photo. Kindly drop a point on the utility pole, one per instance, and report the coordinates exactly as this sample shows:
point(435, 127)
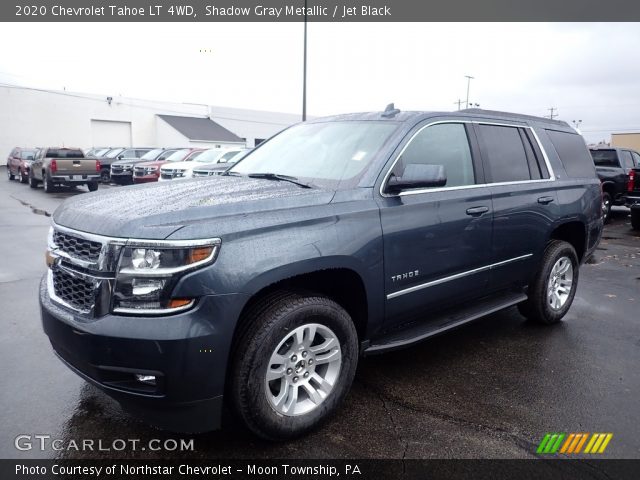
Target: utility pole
point(304, 68)
point(469, 78)
point(551, 114)
point(459, 103)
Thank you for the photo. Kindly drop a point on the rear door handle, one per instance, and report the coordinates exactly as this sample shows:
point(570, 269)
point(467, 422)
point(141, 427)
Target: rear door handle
point(545, 200)
point(476, 211)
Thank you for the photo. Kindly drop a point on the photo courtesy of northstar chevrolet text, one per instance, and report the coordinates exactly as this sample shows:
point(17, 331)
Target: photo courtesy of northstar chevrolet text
point(313, 238)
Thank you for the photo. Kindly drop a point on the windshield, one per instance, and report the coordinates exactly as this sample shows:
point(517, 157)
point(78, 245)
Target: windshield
point(238, 156)
point(228, 156)
point(324, 154)
point(152, 155)
point(178, 155)
point(114, 153)
point(605, 158)
point(100, 153)
point(210, 156)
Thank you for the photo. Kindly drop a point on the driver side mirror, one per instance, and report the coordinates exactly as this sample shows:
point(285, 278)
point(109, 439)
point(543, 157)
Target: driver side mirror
point(120, 157)
point(417, 175)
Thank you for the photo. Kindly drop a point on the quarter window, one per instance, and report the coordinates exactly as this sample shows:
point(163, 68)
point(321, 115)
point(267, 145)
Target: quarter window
point(443, 144)
point(627, 160)
point(504, 154)
point(636, 158)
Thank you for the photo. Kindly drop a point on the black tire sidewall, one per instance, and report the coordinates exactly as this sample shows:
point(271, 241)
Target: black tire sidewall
point(607, 211)
point(540, 308)
point(249, 376)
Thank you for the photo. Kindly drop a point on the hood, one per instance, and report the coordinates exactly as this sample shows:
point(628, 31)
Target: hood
point(214, 166)
point(157, 210)
point(155, 163)
point(186, 165)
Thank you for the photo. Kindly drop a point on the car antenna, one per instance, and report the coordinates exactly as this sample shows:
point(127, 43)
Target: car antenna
point(390, 111)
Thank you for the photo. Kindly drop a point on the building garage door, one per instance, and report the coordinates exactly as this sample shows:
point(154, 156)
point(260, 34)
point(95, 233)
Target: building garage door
point(106, 133)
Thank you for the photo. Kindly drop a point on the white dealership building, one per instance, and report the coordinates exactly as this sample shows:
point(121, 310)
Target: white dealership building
point(32, 117)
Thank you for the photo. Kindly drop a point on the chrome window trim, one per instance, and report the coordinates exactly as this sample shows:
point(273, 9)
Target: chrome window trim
point(455, 277)
point(552, 176)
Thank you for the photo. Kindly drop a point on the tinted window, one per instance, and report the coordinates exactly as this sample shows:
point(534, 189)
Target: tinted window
point(636, 158)
point(627, 160)
point(504, 153)
point(166, 154)
point(605, 158)
point(64, 153)
point(443, 144)
point(573, 153)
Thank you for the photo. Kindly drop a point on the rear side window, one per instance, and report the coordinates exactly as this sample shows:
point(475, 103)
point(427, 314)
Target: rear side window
point(605, 158)
point(573, 153)
point(443, 144)
point(64, 153)
point(627, 160)
point(504, 154)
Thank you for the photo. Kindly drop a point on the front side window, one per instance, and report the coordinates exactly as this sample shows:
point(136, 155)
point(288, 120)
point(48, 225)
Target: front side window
point(504, 153)
point(443, 144)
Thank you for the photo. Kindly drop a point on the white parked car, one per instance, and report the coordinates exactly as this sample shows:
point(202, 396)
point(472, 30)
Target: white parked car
point(184, 170)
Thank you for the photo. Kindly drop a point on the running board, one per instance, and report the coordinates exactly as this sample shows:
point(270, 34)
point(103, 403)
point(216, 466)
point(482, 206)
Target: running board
point(443, 322)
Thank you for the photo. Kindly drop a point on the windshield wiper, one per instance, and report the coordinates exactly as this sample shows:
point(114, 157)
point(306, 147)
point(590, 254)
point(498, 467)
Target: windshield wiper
point(231, 174)
point(277, 176)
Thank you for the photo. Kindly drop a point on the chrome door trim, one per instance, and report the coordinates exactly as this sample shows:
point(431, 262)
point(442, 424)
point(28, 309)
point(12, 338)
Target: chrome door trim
point(456, 276)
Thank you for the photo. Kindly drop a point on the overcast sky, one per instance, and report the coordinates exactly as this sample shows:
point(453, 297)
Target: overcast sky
point(587, 71)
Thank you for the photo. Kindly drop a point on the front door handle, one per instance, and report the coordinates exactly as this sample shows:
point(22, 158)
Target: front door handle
point(476, 211)
point(545, 200)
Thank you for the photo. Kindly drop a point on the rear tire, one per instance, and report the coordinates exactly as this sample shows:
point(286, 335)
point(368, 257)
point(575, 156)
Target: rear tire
point(105, 176)
point(293, 363)
point(23, 178)
point(92, 186)
point(554, 285)
point(635, 218)
point(46, 183)
point(606, 207)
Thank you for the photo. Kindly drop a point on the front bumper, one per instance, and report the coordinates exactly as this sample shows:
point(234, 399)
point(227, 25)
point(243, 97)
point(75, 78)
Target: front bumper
point(122, 178)
point(145, 178)
point(187, 353)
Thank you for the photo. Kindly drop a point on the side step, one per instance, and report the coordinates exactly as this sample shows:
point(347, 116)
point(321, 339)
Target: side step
point(443, 322)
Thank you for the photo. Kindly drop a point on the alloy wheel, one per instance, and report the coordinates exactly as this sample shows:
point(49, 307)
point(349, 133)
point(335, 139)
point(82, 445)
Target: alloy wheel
point(560, 283)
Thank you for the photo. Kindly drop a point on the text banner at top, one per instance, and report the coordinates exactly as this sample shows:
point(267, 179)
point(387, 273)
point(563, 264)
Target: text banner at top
point(320, 11)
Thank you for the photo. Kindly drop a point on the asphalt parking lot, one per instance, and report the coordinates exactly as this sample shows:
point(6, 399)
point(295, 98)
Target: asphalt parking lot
point(491, 389)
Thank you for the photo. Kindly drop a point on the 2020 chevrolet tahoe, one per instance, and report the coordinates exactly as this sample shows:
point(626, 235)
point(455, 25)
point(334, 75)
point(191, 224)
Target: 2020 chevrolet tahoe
point(336, 238)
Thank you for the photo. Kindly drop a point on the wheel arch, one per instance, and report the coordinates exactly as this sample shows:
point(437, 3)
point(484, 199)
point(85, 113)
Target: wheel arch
point(573, 232)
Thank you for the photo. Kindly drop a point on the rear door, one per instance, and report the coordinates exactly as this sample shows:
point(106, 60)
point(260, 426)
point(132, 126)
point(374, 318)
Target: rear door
point(524, 201)
point(437, 241)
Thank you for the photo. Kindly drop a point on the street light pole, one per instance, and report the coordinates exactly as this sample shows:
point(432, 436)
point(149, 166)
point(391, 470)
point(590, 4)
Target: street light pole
point(469, 78)
point(304, 68)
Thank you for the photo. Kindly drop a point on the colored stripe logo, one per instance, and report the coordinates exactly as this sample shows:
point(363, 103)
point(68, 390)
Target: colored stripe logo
point(572, 443)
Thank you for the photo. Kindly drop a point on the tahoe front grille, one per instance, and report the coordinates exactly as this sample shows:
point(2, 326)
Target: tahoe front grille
point(77, 247)
point(77, 292)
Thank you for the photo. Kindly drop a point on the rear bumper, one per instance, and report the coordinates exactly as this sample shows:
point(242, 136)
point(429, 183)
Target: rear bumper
point(187, 353)
point(74, 179)
point(632, 201)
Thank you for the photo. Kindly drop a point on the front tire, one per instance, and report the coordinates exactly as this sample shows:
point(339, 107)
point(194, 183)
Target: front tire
point(554, 285)
point(9, 174)
point(33, 183)
point(105, 176)
point(293, 364)
point(23, 178)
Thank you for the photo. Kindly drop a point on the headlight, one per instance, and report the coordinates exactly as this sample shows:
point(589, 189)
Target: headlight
point(148, 272)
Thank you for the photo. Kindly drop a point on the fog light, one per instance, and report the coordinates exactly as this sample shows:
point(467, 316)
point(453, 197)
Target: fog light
point(146, 379)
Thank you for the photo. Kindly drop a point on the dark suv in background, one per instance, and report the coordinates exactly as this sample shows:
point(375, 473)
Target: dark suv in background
point(613, 166)
point(261, 287)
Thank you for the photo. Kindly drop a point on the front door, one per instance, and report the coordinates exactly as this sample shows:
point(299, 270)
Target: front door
point(437, 241)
